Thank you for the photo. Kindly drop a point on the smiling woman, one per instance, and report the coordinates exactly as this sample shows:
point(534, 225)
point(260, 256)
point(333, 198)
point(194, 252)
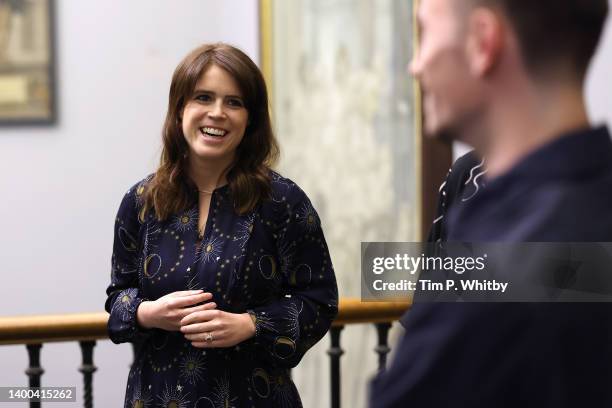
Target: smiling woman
point(215, 119)
point(208, 251)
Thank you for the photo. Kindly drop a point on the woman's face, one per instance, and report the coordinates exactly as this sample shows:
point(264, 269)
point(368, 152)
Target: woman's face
point(215, 118)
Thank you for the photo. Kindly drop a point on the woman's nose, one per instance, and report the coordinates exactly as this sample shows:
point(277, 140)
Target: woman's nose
point(216, 110)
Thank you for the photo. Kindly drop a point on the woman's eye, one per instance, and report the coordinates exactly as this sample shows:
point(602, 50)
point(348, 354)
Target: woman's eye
point(204, 98)
point(235, 102)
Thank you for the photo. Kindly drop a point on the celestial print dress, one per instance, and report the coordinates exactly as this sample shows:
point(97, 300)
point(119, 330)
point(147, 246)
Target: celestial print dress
point(272, 262)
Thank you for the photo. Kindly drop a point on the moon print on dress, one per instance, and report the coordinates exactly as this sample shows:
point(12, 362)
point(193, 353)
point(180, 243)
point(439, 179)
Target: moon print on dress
point(128, 242)
point(301, 276)
point(151, 263)
point(268, 262)
point(283, 347)
point(268, 267)
point(260, 381)
point(278, 388)
point(173, 397)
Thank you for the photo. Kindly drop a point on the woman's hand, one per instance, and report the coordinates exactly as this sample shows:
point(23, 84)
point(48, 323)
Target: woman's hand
point(216, 328)
point(167, 311)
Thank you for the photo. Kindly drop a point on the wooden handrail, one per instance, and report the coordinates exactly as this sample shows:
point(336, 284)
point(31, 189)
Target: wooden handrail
point(352, 311)
point(92, 326)
point(47, 328)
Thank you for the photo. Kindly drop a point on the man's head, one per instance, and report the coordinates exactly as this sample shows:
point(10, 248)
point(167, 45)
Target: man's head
point(468, 46)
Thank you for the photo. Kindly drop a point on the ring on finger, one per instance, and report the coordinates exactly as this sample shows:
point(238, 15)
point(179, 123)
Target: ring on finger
point(208, 337)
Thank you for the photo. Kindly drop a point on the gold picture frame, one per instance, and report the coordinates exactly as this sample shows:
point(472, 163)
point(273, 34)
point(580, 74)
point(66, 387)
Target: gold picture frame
point(27, 86)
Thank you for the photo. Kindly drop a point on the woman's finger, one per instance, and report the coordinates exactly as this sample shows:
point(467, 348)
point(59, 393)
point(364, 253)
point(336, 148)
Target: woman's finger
point(196, 328)
point(199, 308)
point(181, 293)
point(219, 339)
point(188, 300)
point(199, 317)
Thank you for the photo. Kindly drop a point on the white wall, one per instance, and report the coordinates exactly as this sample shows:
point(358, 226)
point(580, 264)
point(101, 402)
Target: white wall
point(599, 82)
point(61, 185)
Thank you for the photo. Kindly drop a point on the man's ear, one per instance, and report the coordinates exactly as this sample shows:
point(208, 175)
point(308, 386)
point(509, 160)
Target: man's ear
point(485, 40)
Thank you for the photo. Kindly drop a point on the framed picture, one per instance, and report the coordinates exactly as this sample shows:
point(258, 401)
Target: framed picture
point(27, 91)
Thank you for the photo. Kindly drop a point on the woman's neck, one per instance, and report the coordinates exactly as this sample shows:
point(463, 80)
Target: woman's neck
point(207, 174)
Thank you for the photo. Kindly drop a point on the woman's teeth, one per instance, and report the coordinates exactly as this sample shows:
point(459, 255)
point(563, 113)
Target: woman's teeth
point(213, 132)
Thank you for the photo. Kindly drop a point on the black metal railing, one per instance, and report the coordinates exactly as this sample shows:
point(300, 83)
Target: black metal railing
point(34, 331)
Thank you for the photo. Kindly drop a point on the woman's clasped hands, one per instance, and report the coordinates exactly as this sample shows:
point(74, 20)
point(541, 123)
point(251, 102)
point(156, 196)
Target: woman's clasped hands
point(193, 313)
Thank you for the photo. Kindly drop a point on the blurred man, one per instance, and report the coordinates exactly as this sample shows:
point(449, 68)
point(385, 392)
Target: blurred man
point(507, 76)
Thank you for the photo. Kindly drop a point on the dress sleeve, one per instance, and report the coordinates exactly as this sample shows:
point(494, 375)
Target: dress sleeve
point(289, 325)
point(123, 292)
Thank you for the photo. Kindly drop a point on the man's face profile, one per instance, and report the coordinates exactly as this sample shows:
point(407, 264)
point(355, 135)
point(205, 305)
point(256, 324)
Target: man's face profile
point(441, 67)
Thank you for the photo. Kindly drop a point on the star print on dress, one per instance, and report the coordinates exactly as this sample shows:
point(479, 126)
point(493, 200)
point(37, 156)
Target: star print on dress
point(272, 263)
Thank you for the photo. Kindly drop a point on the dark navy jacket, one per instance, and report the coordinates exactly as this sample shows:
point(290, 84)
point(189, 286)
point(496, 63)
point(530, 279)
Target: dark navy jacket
point(517, 354)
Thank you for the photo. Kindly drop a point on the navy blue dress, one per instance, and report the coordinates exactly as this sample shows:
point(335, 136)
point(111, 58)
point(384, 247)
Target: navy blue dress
point(272, 262)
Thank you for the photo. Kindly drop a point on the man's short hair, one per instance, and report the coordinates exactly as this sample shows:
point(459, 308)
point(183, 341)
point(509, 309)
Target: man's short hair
point(555, 31)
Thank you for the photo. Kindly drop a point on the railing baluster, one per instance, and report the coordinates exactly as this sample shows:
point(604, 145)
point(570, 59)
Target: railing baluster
point(87, 368)
point(382, 348)
point(34, 370)
point(335, 351)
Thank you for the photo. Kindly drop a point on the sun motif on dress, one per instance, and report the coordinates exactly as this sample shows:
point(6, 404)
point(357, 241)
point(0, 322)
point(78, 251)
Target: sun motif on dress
point(186, 221)
point(221, 394)
point(221, 397)
point(192, 366)
point(123, 303)
point(141, 399)
point(173, 397)
point(264, 322)
point(307, 217)
point(209, 250)
point(292, 319)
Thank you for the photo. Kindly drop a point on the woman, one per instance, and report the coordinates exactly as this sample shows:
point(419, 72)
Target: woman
point(220, 267)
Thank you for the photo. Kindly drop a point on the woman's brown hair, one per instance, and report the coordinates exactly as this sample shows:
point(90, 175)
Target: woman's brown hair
point(171, 190)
